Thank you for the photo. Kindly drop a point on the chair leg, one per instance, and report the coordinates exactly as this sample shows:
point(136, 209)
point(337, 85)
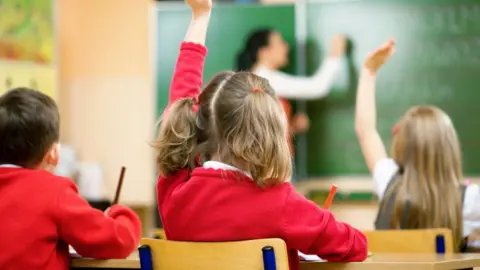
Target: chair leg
point(145, 255)
point(269, 258)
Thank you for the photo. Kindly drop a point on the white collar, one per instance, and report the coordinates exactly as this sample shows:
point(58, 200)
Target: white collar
point(9, 166)
point(217, 165)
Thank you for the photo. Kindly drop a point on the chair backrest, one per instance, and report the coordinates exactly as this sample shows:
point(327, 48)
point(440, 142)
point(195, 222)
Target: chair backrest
point(159, 234)
point(409, 241)
point(239, 255)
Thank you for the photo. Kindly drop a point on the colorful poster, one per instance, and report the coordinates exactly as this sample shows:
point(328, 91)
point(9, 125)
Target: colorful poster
point(27, 31)
point(27, 45)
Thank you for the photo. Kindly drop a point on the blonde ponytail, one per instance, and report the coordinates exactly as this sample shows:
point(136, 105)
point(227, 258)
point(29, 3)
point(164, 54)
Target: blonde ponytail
point(176, 138)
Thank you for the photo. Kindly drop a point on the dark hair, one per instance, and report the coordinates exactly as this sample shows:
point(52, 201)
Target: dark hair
point(29, 126)
point(183, 132)
point(256, 41)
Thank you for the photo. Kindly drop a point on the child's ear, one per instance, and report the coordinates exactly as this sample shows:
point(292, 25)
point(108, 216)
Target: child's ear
point(53, 155)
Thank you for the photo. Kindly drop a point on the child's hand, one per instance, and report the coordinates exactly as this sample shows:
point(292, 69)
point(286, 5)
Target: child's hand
point(200, 7)
point(300, 123)
point(338, 46)
point(377, 58)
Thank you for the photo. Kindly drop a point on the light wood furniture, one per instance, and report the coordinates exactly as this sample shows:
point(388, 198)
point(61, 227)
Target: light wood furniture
point(132, 262)
point(408, 241)
point(145, 213)
point(159, 234)
point(239, 255)
point(403, 262)
point(377, 261)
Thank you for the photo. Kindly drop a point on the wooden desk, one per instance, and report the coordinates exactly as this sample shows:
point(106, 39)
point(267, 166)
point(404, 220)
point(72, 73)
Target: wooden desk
point(378, 261)
point(132, 262)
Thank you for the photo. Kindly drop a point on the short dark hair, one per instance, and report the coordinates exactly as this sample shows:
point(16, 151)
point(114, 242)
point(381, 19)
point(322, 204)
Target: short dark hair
point(29, 126)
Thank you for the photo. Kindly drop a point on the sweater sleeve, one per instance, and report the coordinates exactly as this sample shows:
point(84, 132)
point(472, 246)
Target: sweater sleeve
point(165, 188)
point(91, 232)
point(313, 230)
point(187, 76)
point(301, 87)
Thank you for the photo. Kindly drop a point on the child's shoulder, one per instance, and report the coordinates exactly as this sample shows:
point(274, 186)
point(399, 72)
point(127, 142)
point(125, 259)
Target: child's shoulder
point(48, 176)
point(49, 180)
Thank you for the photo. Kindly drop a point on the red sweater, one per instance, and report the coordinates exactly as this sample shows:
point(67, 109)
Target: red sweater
point(187, 76)
point(42, 213)
point(213, 205)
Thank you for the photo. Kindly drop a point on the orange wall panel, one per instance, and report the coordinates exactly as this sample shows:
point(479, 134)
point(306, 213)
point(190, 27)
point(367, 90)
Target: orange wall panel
point(107, 97)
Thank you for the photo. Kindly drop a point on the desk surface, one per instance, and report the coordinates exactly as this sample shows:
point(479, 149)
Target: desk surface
point(377, 261)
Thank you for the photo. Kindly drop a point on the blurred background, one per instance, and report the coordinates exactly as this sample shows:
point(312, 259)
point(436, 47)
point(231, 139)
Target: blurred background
point(108, 64)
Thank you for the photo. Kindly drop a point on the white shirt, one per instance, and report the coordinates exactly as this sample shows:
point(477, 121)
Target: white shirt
point(384, 171)
point(300, 87)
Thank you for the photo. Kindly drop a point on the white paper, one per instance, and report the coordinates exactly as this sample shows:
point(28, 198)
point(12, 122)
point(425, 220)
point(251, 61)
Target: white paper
point(309, 258)
point(73, 252)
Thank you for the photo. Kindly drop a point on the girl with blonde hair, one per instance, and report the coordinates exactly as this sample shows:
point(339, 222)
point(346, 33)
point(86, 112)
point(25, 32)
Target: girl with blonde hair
point(238, 125)
point(421, 185)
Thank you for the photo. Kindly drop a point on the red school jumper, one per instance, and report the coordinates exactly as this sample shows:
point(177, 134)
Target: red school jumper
point(209, 205)
point(40, 214)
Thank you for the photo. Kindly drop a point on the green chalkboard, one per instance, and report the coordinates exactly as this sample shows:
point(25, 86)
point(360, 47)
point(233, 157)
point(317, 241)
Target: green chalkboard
point(229, 27)
point(437, 62)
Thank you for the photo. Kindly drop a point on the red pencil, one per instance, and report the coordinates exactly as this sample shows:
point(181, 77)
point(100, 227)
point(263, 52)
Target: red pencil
point(330, 197)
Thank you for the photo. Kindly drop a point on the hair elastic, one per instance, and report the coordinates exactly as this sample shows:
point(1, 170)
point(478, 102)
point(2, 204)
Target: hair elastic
point(395, 129)
point(195, 104)
point(256, 89)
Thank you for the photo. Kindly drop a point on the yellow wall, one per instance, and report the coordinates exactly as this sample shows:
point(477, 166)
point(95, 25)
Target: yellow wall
point(106, 94)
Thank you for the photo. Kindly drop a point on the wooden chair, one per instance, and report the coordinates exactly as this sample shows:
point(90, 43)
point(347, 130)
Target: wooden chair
point(242, 255)
point(410, 241)
point(159, 234)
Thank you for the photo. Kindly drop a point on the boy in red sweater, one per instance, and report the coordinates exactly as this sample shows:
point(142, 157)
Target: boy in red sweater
point(41, 214)
point(240, 193)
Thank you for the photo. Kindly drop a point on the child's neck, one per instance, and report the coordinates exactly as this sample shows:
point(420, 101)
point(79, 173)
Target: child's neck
point(237, 165)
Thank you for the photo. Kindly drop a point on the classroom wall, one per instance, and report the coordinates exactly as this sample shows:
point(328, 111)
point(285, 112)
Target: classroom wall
point(106, 89)
point(274, 2)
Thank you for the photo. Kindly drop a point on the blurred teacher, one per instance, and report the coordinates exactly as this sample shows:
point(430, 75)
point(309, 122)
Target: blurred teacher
point(266, 52)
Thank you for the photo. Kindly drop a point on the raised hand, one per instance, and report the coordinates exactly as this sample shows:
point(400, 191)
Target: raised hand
point(338, 46)
point(300, 123)
point(200, 7)
point(377, 58)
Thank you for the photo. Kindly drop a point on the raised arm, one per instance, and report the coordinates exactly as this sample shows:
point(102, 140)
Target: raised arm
point(300, 87)
point(313, 230)
point(370, 141)
point(187, 77)
point(316, 86)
